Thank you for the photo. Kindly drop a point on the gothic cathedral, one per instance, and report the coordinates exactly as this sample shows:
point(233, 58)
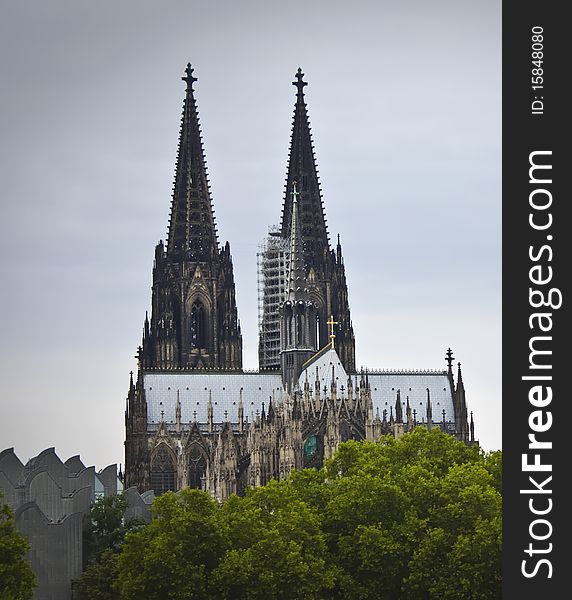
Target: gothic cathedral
point(194, 418)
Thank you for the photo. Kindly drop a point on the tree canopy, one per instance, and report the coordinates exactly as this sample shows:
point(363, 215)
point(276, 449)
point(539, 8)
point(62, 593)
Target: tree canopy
point(104, 530)
point(17, 579)
point(414, 518)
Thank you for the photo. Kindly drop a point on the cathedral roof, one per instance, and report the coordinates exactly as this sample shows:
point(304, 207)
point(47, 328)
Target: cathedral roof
point(327, 364)
point(413, 385)
point(384, 385)
point(194, 390)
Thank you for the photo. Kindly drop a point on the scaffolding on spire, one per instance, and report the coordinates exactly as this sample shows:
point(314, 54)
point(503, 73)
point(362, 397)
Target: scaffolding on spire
point(273, 260)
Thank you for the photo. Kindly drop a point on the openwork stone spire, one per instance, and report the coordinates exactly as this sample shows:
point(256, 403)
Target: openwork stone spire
point(302, 171)
point(192, 231)
point(296, 271)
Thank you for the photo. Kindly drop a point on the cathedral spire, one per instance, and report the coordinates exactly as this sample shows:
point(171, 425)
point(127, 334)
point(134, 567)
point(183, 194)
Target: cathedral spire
point(192, 231)
point(460, 405)
point(460, 377)
point(398, 408)
point(429, 411)
point(323, 267)
point(240, 413)
point(303, 173)
point(298, 314)
point(296, 270)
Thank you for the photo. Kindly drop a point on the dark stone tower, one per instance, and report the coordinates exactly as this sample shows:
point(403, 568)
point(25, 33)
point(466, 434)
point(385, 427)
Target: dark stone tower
point(298, 332)
point(194, 321)
point(324, 267)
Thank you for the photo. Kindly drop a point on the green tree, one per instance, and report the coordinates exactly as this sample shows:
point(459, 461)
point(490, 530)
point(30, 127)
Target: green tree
point(458, 558)
point(97, 582)
point(415, 518)
point(17, 579)
point(278, 549)
point(104, 530)
point(174, 556)
point(104, 526)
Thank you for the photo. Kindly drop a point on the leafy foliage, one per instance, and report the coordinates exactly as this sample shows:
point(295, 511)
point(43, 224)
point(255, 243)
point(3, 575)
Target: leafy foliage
point(174, 556)
point(277, 549)
point(98, 580)
point(17, 579)
point(103, 534)
point(417, 518)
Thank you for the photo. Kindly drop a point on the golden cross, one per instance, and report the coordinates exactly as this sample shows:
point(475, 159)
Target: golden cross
point(331, 323)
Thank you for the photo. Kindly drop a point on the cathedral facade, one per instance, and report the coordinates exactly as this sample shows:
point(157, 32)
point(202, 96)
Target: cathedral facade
point(194, 418)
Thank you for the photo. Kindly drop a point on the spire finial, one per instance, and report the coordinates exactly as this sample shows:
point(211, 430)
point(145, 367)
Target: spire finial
point(295, 192)
point(189, 76)
point(299, 83)
point(449, 358)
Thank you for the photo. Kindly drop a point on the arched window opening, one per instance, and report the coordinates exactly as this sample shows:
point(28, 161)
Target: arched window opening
point(197, 467)
point(162, 471)
point(198, 325)
point(345, 432)
point(299, 330)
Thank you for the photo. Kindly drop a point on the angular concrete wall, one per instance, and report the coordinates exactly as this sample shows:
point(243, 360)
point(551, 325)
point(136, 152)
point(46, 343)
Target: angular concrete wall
point(49, 499)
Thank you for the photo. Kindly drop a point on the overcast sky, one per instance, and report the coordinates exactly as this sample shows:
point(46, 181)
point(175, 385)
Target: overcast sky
point(404, 100)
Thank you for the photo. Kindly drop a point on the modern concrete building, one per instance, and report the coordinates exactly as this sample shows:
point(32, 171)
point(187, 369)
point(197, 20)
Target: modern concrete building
point(49, 499)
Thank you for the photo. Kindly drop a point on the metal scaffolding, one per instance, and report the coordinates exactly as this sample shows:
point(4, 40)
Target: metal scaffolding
point(272, 264)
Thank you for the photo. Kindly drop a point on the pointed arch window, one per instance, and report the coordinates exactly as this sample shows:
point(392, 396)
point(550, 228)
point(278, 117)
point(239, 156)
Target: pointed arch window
point(299, 329)
point(162, 471)
point(197, 467)
point(198, 325)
